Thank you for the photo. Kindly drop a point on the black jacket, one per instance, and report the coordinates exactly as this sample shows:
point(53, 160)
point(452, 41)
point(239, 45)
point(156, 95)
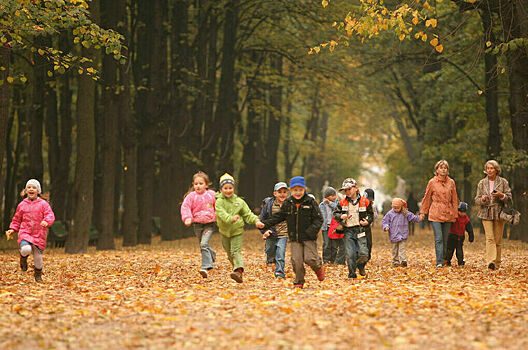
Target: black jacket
point(365, 211)
point(304, 220)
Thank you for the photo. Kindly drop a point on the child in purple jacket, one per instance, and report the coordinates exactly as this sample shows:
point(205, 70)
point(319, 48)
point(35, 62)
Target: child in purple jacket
point(396, 222)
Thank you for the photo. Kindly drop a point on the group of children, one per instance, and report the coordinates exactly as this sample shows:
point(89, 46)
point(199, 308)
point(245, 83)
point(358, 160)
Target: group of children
point(290, 215)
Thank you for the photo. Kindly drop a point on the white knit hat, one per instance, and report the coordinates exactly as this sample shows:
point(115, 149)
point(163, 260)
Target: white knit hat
point(35, 183)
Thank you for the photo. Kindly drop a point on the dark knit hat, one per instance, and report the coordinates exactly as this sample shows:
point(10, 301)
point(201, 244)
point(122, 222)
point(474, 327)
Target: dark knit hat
point(462, 206)
point(329, 191)
point(226, 179)
point(369, 193)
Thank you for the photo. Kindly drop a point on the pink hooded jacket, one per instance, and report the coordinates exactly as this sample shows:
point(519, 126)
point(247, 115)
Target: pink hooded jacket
point(198, 207)
point(29, 214)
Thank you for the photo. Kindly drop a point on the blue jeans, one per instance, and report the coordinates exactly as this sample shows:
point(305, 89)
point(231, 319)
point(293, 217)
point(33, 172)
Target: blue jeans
point(441, 233)
point(351, 249)
point(204, 232)
point(275, 249)
point(326, 247)
point(337, 251)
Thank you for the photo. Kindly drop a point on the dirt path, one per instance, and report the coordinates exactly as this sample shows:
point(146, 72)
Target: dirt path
point(153, 297)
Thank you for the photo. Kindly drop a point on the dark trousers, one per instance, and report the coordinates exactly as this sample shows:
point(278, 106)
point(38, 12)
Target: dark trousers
point(326, 247)
point(368, 231)
point(455, 242)
point(337, 251)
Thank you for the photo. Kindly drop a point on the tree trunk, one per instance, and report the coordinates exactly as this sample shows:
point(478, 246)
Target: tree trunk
point(36, 163)
point(491, 89)
point(79, 234)
point(110, 141)
point(5, 54)
point(514, 15)
point(226, 112)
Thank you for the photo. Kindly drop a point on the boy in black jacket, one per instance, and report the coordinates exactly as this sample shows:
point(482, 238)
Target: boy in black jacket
point(304, 219)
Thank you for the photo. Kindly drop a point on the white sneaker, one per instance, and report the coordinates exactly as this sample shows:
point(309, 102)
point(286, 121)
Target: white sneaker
point(203, 272)
point(439, 265)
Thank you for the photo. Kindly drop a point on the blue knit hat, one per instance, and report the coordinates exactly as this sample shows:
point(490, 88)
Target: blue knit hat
point(297, 181)
point(462, 206)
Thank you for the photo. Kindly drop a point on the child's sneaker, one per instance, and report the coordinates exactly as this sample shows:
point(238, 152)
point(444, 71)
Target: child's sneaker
point(404, 263)
point(395, 264)
point(237, 275)
point(298, 285)
point(23, 262)
point(203, 272)
point(320, 274)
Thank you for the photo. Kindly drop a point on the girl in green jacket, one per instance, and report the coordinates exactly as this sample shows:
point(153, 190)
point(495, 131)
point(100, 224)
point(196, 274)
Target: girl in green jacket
point(231, 213)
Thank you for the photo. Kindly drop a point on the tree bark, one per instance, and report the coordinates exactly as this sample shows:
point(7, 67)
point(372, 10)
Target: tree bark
point(79, 235)
point(5, 54)
point(36, 163)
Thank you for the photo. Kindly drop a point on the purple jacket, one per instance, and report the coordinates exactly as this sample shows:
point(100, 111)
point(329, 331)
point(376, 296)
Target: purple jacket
point(199, 207)
point(398, 224)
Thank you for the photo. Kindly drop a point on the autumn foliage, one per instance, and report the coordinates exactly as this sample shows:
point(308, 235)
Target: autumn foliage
point(153, 297)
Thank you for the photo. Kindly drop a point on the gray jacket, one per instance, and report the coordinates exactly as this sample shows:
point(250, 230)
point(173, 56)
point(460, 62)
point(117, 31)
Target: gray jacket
point(491, 208)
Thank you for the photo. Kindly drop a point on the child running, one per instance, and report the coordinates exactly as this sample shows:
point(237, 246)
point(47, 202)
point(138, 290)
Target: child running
point(396, 223)
point(455, 240)
point(327, 207)
point(304, 219)
point(231, 213)
point(198, 209)
point(277, 236)
point(32, 218)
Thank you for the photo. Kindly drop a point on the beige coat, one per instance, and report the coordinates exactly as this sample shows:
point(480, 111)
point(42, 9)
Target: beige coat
point(440, 200)
point(490, 209)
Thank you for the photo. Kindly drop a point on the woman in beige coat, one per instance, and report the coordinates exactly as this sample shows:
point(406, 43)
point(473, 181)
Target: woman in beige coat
point(493, 193)
point(440, 202)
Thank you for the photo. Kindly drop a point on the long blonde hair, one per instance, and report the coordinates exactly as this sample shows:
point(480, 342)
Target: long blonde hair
point(204, 176)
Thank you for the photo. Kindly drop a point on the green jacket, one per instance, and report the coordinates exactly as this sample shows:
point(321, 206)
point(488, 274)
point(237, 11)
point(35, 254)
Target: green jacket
point(226, 209)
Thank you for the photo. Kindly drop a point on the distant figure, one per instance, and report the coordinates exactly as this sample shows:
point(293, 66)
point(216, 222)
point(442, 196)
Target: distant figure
point(493, 193)
point(327, 207)
point(412, 206)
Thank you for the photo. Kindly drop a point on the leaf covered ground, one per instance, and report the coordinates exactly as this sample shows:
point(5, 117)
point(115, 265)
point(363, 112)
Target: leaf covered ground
point(153, 297)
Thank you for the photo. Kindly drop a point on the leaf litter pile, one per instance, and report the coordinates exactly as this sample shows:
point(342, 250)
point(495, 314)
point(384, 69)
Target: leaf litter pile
point(153, 297)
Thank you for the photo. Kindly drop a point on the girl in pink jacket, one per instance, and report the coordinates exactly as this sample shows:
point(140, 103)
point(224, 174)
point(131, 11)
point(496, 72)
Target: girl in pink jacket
point(32, 218)
point(198, 209)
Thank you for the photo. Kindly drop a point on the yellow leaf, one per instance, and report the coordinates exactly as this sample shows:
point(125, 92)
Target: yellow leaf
point(433, 23)
point(424, 37)
point(317, 49)
point(23, 79)
point(488, 43)
point(479, 92)
point(401, 37)
point(80, 71)
point(41, 52)
point(434, 42)
point(50, 74)
point(415, 20)
point(439, 48)
point(426, 6)
point(10, 80)
point(324, 3)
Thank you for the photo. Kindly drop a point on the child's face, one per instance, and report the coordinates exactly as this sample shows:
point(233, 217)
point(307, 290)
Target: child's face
point(228, 190)
point(332, 198)
point(351, 192)
point(396, 208)
point(281, 194)
point(32, 191)
point(297, 192)
point(199, 184)
point(462, 213)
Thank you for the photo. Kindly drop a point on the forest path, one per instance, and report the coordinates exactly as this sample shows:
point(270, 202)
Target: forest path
point(153, 297)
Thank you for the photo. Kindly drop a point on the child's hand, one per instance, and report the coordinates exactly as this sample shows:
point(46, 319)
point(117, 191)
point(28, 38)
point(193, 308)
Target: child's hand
point(326, 200)
point(363, 222)
point(235, 218)
point(260, 224)
point(188, 222)
point(344, 217)
point(44, 224)
point(266, 234)
point(9, 234)
point(386, 229)
point(422, 216)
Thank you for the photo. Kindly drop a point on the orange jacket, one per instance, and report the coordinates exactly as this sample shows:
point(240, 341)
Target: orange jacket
point(444, 205)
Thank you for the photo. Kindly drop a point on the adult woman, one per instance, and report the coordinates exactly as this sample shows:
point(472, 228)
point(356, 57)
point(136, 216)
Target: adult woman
point(440, 202)
point(493, 192)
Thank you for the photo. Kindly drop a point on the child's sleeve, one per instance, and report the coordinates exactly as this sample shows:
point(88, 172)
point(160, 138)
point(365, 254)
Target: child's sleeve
point(469, 229)
point(17, 219)
point(221, 213)
point(279, 216)
point(186, 212)
point(385, 222)
point(323, 212)
point(370, 213)
point(49, 216)
point(317, 220)
point(263, 215)
point(248, 216)
point(426, 201)
point(338, 211)
point(412, 217)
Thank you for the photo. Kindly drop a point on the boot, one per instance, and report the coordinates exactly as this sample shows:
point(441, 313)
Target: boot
point(361, 269)
point(38, 275)
point(23, 262)
point(237, 275)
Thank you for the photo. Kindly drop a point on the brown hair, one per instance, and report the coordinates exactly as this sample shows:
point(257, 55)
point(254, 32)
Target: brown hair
point(440, 162)
point(204, 176)
point(495, 164)
point(45, 195)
